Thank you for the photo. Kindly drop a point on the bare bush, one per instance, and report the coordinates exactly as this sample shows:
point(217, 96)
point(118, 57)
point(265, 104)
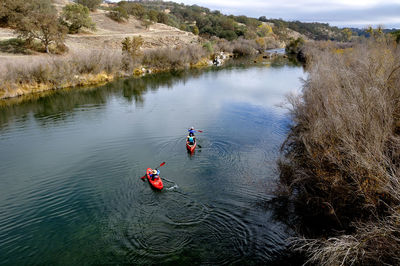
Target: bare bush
point(244, 47)
point(342, 155)
point(173, 57)
point(59, 70)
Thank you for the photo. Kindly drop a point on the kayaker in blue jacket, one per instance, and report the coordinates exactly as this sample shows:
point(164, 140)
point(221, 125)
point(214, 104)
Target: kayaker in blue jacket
point(191, 131)
point(191, 139)
point(155, 174)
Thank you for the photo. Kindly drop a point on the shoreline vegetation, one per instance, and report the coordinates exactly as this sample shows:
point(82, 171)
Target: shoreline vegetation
point(340, 170)
point(101, 66)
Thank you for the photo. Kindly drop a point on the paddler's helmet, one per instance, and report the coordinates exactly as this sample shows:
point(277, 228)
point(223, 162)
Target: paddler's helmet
point(154, 172)
point(192, 128)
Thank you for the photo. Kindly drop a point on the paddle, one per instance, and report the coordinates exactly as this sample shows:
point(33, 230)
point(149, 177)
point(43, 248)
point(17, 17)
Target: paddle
point(162, 164)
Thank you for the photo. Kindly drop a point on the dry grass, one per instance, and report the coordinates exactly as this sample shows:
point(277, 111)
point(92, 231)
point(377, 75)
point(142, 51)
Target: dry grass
point(56, 72)
point(342, 156)
point(87, 67)
point(173, 57)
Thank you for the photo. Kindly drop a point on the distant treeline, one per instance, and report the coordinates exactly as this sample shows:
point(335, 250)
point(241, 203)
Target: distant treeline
point(207, 23)
point(315, 30)
point(199, 20)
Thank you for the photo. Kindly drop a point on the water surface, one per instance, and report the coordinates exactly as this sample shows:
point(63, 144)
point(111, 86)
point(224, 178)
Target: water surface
point(71, 162)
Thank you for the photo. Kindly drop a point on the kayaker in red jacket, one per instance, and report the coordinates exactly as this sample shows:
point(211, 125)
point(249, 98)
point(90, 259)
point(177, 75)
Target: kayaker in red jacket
point(155, 174)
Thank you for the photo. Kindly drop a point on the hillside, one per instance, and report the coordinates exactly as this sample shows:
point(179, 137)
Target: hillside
point(109, 34)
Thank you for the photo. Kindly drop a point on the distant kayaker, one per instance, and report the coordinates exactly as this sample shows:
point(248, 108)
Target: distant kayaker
point(191, 131)
point(155, 174)
point(191, 139)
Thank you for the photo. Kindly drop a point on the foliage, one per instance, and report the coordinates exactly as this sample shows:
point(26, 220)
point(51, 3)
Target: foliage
point(152, 15)
point(76, 16)
point(195, 30)
point(396, 34)
point(133, 9)
point(209, 47)
point(132, 46)
point(41, 23)
point(294, 46)
point(173, 57)
point(196, 19)
point(264, 30)
point(341, 165)
point(315, 30)
point(162, 18)
point(11, 11)
point(91, 4)
point(347, 34)
point(15, 46)
point(60, 71)
point(118, 14)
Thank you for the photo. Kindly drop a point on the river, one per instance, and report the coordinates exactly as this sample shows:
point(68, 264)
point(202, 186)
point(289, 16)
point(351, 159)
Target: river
point(71, 162)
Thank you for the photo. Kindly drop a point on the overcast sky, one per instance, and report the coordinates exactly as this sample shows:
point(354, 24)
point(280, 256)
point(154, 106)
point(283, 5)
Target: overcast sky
point(342, 13)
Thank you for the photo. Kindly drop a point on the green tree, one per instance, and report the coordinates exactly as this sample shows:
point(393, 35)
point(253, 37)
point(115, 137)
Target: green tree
point(195, 30)
point(134, 9)
point(147, 23)
point(396, 35)
point(118, 14)
point(295, 46)
point(76, 16)
point(11, 11)
point(152, 15)
point(91, 4)
point(41, 23)
point(162, 18)
point(264, 30)
point(347, 33)
point(132, 46)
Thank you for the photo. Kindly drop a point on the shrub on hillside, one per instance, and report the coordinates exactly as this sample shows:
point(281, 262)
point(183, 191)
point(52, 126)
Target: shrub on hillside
point(244, 47)
point(118, 14)
point(75, 17)
point(41, 23)
point(11, 11)
point(91, 4)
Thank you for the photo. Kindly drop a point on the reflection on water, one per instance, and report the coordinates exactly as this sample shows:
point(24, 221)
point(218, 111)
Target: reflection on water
point(71, 162)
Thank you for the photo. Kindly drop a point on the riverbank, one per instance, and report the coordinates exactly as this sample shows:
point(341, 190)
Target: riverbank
point(341, 157)
point(99, 67)
point(88, 68)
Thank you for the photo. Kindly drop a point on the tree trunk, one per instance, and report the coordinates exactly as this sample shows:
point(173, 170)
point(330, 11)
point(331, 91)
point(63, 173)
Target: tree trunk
point(47, 48)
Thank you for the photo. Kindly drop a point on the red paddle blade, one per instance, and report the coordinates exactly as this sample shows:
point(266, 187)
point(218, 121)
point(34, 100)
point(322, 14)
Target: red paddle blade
point(201, 131)
point(143, 177)
point(162, 164)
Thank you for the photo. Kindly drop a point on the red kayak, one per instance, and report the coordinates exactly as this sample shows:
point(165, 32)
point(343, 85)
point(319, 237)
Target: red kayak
point(157, 182)
point(190, 147)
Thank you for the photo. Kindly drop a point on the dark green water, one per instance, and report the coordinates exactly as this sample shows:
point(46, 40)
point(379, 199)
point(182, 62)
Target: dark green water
point(71, 162)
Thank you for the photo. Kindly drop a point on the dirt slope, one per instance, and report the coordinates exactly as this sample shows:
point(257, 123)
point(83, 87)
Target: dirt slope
point(109, 34)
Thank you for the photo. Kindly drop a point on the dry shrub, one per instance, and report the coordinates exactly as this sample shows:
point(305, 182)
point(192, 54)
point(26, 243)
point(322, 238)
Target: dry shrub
point(241, 47)
point(342, 155)
point(245, 47)
point(173, 57)
point(59, 70)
